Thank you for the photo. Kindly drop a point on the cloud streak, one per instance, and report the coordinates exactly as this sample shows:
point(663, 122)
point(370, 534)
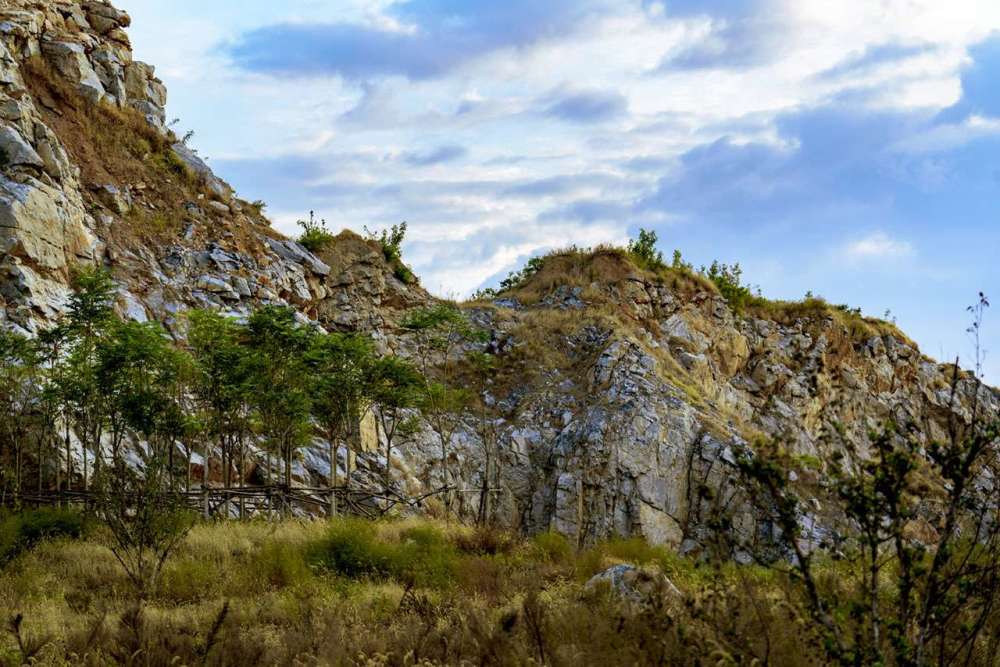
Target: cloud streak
point(593, 106)
point(877, 246)
point(435, 156)
point(430, 38)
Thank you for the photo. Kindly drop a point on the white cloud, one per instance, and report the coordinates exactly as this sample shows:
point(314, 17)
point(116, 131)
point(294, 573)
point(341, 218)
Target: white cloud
point(953, 135)
point(490, 105)
point(877, 246)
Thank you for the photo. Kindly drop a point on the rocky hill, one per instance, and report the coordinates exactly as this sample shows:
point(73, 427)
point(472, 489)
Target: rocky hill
point(90, 173)
point(619, 394)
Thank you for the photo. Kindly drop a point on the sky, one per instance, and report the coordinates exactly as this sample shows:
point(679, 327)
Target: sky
point(850, 149)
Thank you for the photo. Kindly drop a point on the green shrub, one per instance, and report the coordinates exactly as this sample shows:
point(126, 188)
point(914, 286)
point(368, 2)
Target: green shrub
point(425, 558)
point(190, 580)
point(551, 547)
point(729, 280)
point(422, 557)
point(644, 253)
point(315, 235)
point(351, 549)
point(391, 241)
point(22, 531)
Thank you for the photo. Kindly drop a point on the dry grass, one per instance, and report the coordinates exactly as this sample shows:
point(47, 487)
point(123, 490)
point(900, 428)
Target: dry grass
point(510, 602)
point(816, 310)
point(259, 594)
point(596, 270)
point(116, 146)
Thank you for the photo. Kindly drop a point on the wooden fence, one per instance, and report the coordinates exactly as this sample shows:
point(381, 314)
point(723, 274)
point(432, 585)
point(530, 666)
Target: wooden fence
point(251, 501)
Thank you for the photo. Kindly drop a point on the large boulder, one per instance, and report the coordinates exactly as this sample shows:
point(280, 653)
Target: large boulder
point(70, 60)
point(15, 151)
point(43, 225)
point(633, 585)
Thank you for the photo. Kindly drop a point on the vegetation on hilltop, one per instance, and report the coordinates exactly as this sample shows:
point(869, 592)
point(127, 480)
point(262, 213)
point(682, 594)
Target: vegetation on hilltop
point(583, 267)
point(391, 242)
point(315, 235)
point(317, 238)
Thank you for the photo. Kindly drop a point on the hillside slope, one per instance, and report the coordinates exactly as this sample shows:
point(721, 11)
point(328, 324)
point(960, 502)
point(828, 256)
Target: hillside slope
point(90, 173)
point(619, 393)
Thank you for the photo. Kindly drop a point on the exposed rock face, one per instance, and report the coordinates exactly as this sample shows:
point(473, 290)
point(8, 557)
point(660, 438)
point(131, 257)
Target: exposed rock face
point(626, 404)
point(52, 217)
point(614, 402)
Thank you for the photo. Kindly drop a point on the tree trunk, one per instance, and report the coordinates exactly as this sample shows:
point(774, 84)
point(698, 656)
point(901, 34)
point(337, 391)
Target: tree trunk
point(55, 449)
point(243, 477)
point(444, 478)
point(388, 459)
point(69, 460)
point(41, 460)
point(333, 474)
point(204, 467)
point(86, 481)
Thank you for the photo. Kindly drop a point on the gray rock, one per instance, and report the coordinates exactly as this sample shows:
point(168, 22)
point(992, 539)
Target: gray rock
point(70, 60)
point(119, 201)
point(213, 284)
point(632, 584)
point(199, 167)
point(15, 151)
point(295, 252)
point(219, 207)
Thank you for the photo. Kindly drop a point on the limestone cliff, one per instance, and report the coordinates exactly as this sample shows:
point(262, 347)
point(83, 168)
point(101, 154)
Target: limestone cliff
point(619, 391)
point(89, 172)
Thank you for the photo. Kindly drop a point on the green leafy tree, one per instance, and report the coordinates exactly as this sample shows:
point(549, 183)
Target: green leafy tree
point(52, 345)
point(90, 317)
point(339, 368)
point(20, 399)
point(138, 372)
point(222, 383)
point(395, 387)
point(277, 345)
point(441, 333)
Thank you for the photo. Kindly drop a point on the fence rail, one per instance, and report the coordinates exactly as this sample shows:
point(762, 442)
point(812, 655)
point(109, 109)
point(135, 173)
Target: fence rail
point(248, 501)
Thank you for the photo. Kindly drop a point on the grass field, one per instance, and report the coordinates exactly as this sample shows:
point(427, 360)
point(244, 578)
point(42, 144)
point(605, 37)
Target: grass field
point(405, 592)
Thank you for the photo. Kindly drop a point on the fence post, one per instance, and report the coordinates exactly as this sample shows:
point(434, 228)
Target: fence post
point(204, 493)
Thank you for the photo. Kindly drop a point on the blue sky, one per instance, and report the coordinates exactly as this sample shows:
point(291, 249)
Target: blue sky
point(850, 148)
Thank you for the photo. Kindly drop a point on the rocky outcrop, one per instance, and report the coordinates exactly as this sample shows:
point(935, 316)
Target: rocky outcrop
point(618, 398)
point(55, 215)
point(626, 408)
